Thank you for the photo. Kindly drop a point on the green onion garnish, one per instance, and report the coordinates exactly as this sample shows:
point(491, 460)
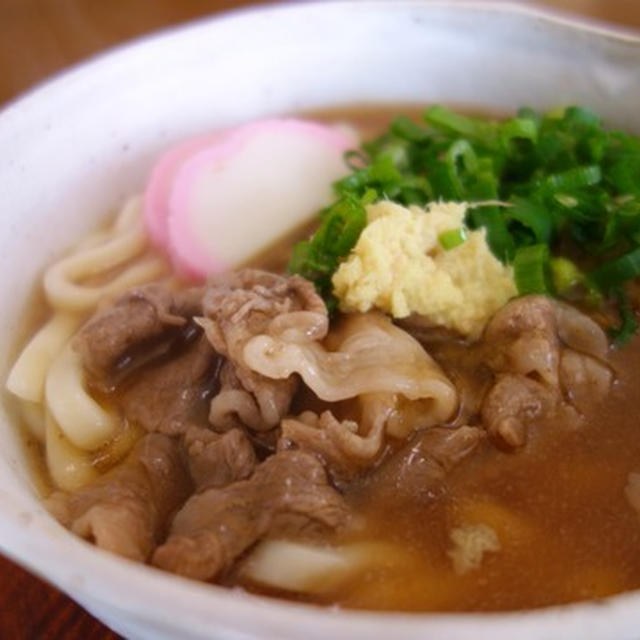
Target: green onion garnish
point(571, 185)
point(452, 238)
point(565, 275)
point(531, 270)
point(340, 228)
point(615, 272)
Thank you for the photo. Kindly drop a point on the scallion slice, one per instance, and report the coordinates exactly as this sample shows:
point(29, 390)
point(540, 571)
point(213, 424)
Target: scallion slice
point(519, 128)
point(533, 216)
point(452, 238)
point(573, 179)
point(407, 129)
point(531, 269)
point(565, 275)
point(616, 271)
point(443, 118)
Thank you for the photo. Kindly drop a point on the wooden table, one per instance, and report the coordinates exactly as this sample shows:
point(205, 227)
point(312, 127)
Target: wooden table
point(38, 38)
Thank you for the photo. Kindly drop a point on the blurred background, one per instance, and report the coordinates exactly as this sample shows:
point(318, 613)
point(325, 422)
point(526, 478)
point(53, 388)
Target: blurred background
point(39, 38)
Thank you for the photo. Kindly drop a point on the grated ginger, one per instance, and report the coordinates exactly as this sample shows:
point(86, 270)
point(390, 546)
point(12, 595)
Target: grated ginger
point(399, 267)
point(470, 543)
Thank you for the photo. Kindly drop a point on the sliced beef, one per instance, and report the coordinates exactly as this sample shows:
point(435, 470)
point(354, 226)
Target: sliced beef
point(447, 447)
point(126, 511)
point(249, 399)
point(513, 402)
point(523, 336)
point(425, 460)
point(170, 395)
point(345, 447)
point(550, 362)
point(335, 442)
point(249, 302)
point(579, 332)
point(584, 380)
point(146, 347)
point(216, 460)
point(216, 526)
point(142, 315)
point(245, 304)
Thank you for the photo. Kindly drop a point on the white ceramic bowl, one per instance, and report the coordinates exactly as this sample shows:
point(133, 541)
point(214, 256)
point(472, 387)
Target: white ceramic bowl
point(76, 146)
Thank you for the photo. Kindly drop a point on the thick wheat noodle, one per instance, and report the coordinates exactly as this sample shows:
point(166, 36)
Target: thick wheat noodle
point(48, 378)
point(99, 253)
point(84, 421)
point(129, 216)
point(33, 417)
point(63, 281)
point(27, 376)
point(69, 467)
point(65, 294)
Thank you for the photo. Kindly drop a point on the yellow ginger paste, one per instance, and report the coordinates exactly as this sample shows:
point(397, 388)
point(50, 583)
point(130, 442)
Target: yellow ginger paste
point(399, 266)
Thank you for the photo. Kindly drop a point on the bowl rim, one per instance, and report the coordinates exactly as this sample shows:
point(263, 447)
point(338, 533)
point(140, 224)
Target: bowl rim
point(240, 612)
point(572, 22)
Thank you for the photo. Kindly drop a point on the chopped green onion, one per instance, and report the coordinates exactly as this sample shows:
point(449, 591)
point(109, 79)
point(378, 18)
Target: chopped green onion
point(460, 153)
point(462, 150)
point(566, 200)
point(519, 128)
point(616, 271)
point(572, 283)
point(530, 114)
point(581, 116)
point(533, 216)
point(339, 230)
point(369, 196)
point(565, 275)
point(384, 170)
point(531, 270)
point(443, 118)
point(452, 238)
point(573, 178)
point(571, 186)
point(300, 258)
point(499, 238)
point(407, 129)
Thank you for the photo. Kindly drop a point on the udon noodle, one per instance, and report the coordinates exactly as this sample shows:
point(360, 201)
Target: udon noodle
point(47, 377)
